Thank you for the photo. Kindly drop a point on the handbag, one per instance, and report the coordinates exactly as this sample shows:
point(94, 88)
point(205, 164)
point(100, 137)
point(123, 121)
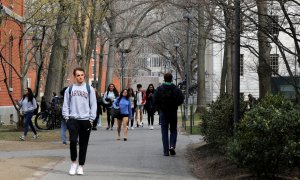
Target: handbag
point(115, 111)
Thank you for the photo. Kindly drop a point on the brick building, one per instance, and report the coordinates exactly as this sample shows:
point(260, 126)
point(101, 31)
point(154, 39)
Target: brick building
point(11, 19)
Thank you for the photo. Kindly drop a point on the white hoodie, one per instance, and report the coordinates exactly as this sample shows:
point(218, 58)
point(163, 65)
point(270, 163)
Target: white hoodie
point(77, 106)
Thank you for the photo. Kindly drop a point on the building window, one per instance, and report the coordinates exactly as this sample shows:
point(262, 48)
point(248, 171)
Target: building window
point(242, 65)
point(274, 25)
point(274, 64)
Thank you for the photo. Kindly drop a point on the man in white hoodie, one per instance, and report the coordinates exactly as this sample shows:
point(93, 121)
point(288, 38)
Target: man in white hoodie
point(79, 111)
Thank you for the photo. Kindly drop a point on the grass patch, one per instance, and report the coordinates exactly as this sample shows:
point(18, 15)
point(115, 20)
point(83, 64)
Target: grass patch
point(196, 121)
point(195, 130)
point(10, 133)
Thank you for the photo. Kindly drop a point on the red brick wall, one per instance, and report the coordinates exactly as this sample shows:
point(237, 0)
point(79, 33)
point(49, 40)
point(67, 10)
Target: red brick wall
point(10, 29)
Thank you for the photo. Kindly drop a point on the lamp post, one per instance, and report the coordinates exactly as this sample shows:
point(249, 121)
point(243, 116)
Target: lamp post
point(188, 17)
point(236, 75)
point(123, 65)
point(176, 60)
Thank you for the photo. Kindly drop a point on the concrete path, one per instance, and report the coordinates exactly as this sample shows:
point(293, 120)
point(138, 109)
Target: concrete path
point(141, 157)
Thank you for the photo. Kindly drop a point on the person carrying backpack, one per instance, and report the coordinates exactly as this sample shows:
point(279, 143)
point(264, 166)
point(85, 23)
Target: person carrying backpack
point(99, 112)
point(79, 111)
point(63, 125)
point(140, 100)
point(108, 98)
point(167, 98)
point(28, 105)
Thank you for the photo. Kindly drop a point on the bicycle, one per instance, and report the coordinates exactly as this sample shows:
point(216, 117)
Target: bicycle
point(49, 119)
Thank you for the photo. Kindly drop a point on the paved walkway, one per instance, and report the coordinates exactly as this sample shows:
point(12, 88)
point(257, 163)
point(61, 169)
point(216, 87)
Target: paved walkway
point(141, 157)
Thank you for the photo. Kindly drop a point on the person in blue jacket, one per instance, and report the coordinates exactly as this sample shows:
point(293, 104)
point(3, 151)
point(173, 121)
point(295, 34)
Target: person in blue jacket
point(123, 102)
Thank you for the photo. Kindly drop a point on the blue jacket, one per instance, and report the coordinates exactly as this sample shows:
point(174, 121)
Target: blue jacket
point(125, 106)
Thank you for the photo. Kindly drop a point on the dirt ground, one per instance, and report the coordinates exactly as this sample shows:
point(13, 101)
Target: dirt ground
point(26, 168)
point(208, 164)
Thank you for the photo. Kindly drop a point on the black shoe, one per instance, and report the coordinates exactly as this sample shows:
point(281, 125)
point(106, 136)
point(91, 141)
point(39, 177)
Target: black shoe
point(125, 139)
point(107, 128)
point(94, 128)
point(166, 154)
point(172, 151)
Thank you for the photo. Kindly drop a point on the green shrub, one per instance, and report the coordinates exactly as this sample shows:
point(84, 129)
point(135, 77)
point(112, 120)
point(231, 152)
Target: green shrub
point(267, 138)
point(217, 125)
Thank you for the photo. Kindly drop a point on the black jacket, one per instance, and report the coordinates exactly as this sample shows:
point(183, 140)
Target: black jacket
point(168, 97)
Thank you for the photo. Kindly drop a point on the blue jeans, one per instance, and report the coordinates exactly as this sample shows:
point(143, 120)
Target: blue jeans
point(63, 129)
point(28, 122)
point(168, 119)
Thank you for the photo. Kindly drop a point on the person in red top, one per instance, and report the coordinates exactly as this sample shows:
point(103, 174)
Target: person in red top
point(140, 100)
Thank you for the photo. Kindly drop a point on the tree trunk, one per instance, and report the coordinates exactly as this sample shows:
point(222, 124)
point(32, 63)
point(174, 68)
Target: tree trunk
point(201, 98)
point(264, 71)
point(224, 71)
point(111, 53)
point(229, 67)
point(228, 56)
point(101, 58)
point(54, 77)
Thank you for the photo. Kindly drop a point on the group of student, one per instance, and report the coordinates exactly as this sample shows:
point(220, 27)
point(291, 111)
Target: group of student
point(82, 109)
point(137, 101)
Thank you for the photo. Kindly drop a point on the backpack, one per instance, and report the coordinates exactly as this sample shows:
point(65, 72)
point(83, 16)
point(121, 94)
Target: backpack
point(169, 99)
point(36, 110)
point(59, 106)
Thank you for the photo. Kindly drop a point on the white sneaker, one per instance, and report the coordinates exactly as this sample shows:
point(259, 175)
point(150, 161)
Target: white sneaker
point(22, 138)
point(35, 136)
point(132, 128)
point(73, 168)
point(152, 128)
point(80, 170)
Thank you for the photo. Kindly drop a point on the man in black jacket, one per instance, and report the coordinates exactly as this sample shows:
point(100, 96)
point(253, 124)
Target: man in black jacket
point(167, 98)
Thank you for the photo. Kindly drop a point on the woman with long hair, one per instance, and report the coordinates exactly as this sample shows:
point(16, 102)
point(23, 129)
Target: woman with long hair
point(124, 104)
point(27, 106)
point(131, 96)
point(149, 106)
point(108, 98)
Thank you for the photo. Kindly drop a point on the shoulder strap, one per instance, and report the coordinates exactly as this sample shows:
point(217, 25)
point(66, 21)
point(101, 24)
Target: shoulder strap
point(88, 88)
point(70, 90)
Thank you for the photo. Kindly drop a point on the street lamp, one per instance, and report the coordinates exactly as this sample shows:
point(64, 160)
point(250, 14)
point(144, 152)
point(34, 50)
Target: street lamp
point(188, 17)
point(176, 60)
point(123, 65)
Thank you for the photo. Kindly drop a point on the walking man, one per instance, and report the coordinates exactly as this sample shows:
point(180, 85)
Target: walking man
point(79, 111)
point(139, 103)
point(167, 98)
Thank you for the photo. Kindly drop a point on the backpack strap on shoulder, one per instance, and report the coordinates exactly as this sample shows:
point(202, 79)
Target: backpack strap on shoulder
point(88, 88)
point(70, 90)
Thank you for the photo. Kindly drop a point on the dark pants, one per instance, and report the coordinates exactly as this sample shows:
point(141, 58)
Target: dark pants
point(132, 119)
point(168, 119)
point(150, 117)
point(110, 120)
point(81, 129)
point(95, 122)
point(28, 122)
